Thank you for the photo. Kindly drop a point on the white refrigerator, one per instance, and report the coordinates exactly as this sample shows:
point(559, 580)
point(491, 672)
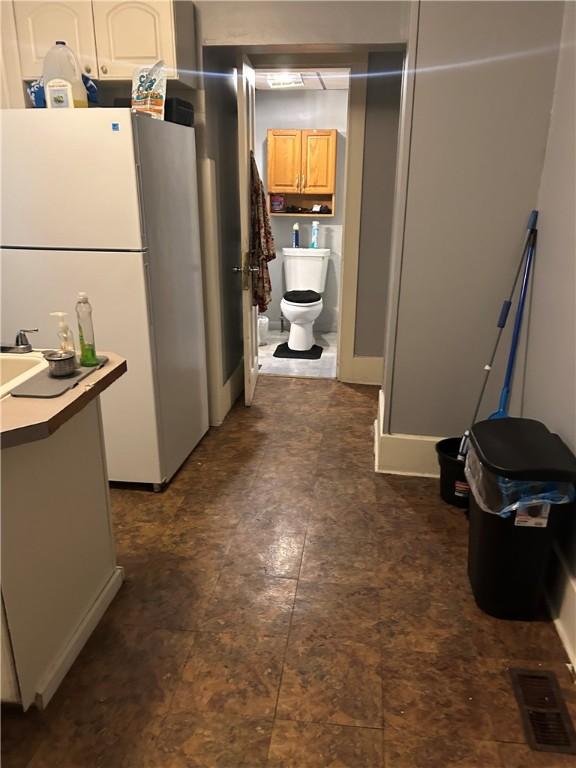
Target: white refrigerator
point(103, 201)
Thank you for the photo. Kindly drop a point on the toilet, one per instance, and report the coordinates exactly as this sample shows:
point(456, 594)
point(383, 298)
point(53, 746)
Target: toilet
point(305, 273)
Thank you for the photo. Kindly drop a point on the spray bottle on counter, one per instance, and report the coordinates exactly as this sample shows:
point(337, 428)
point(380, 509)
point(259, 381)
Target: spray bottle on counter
point(65, 335)
point(86, 331)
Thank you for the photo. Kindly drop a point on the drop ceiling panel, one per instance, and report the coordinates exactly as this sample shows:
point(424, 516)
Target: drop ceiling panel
point(315, 80)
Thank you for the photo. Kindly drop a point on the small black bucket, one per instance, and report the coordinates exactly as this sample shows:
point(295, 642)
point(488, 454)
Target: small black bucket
point(453, 486)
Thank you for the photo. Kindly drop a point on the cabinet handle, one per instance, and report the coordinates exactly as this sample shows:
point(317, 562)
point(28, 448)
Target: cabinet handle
point(304, 181)
point(87, 69)
point(104, 69)
point(297, 182)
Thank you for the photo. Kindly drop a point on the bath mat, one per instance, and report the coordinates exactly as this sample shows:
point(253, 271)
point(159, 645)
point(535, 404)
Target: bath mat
point(283, 350)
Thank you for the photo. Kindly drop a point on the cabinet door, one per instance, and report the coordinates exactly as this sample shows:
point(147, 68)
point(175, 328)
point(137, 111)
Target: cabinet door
point(318, 161)
point(284, 156)
point(40, 24)
point(133, 34)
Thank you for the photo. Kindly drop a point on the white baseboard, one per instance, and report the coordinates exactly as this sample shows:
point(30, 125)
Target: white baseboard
point(58, 669)
point(398, 454)
point(406, 454)
point(361, 370)
point(562, 602)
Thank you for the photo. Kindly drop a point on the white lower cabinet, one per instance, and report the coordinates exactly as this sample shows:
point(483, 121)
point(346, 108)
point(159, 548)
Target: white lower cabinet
point(59, 571)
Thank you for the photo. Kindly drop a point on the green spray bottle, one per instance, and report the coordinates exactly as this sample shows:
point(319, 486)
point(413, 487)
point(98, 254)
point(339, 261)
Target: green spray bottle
point(86, 331)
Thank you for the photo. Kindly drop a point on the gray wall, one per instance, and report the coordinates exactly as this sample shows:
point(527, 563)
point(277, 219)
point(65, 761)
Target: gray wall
point(483, 93)
point(305, 109)
point(550, 379)
point(286, 23)
point(222, 146)
point(378, 178)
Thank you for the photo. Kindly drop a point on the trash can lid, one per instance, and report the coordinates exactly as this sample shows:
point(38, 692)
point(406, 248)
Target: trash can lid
point(523, 449)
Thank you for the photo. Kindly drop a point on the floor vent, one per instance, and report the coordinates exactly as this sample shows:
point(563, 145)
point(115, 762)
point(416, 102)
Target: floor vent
point(546, 721)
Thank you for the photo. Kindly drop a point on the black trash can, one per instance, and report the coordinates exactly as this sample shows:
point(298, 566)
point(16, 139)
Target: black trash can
point(521, 479)
point(453, 485)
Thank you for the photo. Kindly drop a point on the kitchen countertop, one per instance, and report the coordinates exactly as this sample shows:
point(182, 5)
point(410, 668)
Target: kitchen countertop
point(25, 419)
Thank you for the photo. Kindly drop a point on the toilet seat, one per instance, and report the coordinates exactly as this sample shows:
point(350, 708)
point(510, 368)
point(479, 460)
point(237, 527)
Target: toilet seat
point(302, 297)
point(301, 306)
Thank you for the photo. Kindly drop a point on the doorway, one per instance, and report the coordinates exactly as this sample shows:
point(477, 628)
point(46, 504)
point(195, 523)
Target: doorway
point(301, 126)
point(366, 207)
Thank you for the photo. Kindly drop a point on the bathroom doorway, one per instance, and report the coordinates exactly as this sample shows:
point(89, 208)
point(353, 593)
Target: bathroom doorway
point(300, 144)
point(373, 180)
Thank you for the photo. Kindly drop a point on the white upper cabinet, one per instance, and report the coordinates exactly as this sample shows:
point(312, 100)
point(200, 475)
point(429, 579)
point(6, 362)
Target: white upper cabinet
point(40, 24)
point(131, 34)
point(110, 39)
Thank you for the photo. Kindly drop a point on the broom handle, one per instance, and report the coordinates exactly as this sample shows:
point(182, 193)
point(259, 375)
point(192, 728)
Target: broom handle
point(505, 396)
point(505, 311)
point(501, 324)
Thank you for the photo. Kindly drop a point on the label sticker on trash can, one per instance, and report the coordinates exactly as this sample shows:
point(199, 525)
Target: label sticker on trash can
point(534, 516)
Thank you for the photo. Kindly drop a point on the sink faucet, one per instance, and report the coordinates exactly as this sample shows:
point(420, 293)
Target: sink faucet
point(21, 344)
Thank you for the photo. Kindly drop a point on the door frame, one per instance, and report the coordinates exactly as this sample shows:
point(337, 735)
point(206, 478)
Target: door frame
point(350, 368)
point(246, 101)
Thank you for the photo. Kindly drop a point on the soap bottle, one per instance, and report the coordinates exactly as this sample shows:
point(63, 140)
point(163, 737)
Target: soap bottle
point(62, 77)
point(296, 235)
point(64, 333)
point(86, 331)
point(315, 233)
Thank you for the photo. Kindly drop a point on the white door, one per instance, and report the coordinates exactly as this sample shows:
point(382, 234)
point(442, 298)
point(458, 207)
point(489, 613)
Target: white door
point(40, 24)
point(133, 34)
point(69, 179)
point(246, 109)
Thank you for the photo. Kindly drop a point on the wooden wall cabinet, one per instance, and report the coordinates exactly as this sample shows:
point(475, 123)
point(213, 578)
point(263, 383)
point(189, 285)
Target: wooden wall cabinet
point(284, 160)
point(110, 38)
point(302, 166)
point(318, 162)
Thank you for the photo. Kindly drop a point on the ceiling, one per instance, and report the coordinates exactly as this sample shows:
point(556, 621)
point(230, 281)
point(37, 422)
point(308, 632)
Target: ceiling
point(312, 79)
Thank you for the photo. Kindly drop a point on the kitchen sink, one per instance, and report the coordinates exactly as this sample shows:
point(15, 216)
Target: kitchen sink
point(15, 369)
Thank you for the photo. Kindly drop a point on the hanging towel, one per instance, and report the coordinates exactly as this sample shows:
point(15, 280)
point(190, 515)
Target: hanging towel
point(262, 248)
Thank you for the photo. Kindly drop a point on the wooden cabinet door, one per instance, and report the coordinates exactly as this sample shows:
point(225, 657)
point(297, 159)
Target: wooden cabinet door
point(318, 161)
point(133, 34)
point(284, 158)
point(40, 24)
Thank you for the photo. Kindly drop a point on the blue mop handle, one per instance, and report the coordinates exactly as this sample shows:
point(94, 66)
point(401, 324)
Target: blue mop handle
point(505, 394)
point(505, 309)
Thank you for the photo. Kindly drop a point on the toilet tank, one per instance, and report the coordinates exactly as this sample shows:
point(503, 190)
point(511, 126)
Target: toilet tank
point(305, 268)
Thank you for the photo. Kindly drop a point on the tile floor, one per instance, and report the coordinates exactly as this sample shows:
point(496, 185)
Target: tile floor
point(286, 607)
point(324, 368)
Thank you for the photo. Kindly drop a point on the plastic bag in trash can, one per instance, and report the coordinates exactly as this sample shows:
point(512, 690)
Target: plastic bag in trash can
point(503, 496)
